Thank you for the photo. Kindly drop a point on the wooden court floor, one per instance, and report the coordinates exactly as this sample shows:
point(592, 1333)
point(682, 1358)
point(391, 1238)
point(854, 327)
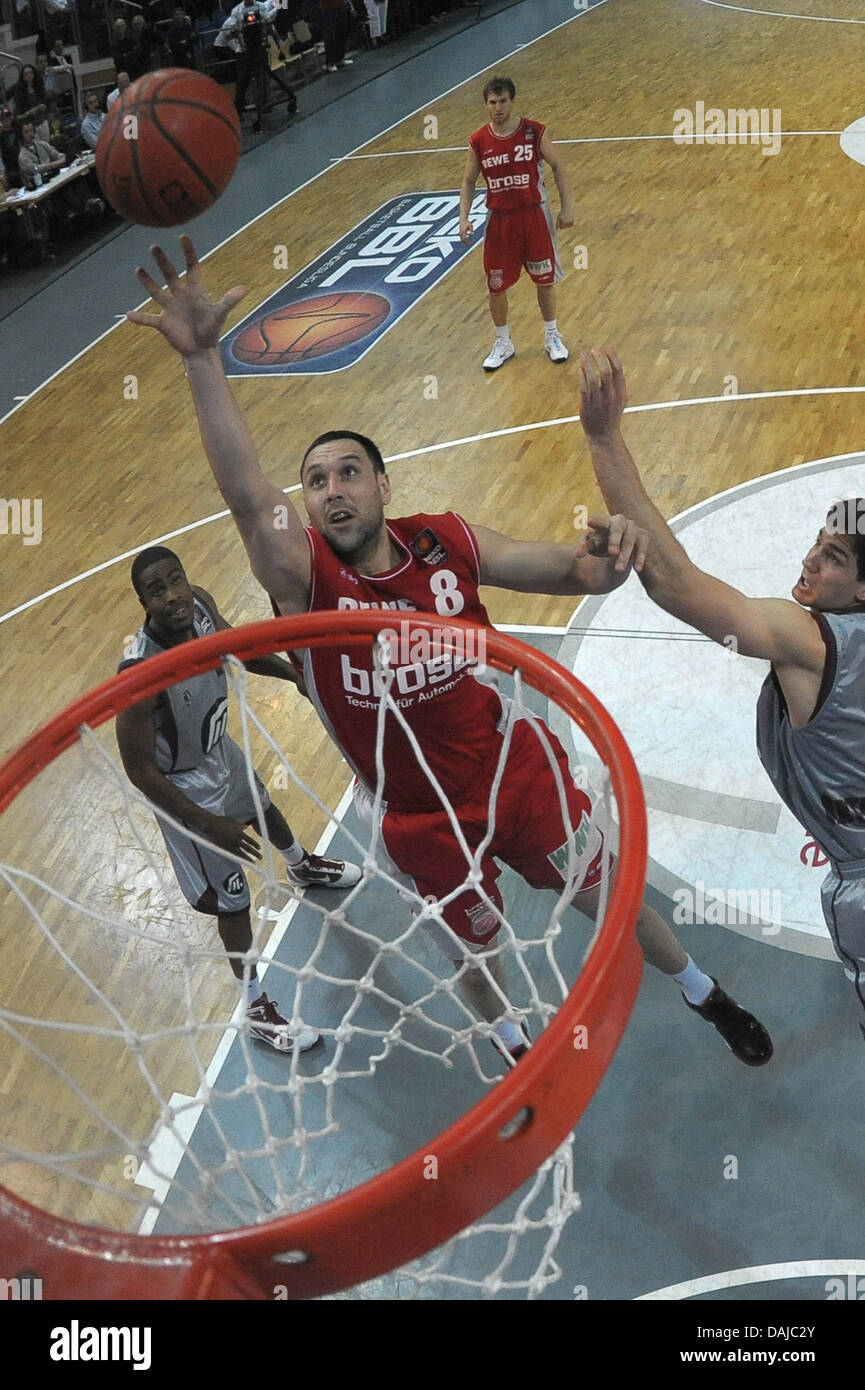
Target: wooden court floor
point(714, 269)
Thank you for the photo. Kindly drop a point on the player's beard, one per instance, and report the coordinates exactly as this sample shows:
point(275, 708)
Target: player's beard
point(363, 538)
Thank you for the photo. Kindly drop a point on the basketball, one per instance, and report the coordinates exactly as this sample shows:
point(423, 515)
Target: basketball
point(168, 148)
point(310, 328)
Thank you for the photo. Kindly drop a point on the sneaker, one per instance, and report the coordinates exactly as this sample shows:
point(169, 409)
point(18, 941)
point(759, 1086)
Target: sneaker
point(514, 1053)
point(503, 348)
point(556, 350)
point(745, 1036)
point(266, 1025)
point(315, 872)
point(347, 63)
point(331, 67)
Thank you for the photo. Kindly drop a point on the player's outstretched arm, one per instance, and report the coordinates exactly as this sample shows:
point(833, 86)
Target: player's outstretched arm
point(191, 323)
point(600, 563)
point(777, 630)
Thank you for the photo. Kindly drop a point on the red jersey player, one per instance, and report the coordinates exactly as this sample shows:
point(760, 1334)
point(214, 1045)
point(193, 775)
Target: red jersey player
point(511, 151)
point(350, 555)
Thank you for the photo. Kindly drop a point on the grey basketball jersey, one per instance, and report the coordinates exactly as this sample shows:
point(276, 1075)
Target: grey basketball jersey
point(191, 720)
point(819, 770)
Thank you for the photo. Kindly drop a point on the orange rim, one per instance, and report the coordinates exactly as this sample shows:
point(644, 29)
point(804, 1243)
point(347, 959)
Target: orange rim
point(400, 1214)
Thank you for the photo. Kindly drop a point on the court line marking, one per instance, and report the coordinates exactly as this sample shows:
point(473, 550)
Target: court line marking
point(593, 140)
point(756, 1274)
point(457, 443)
point(294, 191)
point(780, 14)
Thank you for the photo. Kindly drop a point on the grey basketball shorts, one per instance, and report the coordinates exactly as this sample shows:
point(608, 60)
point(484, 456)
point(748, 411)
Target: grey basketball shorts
point(211, 882)
point(843, 897)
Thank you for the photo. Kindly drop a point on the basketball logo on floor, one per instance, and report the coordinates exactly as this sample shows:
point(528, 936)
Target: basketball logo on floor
point(333, 311)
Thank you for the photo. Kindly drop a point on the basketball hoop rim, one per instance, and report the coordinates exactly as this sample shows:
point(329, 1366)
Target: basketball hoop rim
point(399, 1214)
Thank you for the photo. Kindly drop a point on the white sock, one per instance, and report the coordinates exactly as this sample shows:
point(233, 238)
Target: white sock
point(510, 1035)
point(696, 986)
point(504, 333)
point(551, 326)
point(251, 991)
point(294, 855)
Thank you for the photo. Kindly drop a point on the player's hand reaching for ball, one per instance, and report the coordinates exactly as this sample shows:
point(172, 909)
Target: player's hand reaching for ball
point(189, 321)
point(615, 538)
point(603, 392)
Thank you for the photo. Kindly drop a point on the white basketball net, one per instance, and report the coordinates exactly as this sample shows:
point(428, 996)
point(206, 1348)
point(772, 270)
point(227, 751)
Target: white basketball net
point(221, 1131)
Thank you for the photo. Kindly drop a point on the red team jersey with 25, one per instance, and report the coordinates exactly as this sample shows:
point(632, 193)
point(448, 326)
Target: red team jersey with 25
point(511, 165)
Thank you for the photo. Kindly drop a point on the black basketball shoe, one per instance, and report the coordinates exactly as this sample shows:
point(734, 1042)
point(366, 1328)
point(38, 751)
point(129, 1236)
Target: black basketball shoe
point(745, 1036)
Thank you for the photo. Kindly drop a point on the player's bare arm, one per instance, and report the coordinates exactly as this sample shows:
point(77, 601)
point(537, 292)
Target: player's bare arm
point(551, 157)
point(467, 192)
point(269, 526)
point(136, 740)
point(275, 666)
point(777, 630)
point(597, 565)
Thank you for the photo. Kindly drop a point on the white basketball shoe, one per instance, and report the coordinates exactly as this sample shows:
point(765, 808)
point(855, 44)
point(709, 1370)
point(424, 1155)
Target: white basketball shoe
point(503, 349)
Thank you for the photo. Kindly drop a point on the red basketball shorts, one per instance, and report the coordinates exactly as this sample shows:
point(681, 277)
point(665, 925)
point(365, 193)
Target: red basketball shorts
point(530, 836)
point(517, 240)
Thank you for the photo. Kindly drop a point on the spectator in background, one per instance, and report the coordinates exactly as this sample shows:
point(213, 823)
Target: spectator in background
point(94, 119)
point(74, 206)
point(30, 100)
point(123, 51)
point(334, 23)
point(9, 144)
point(142, 37)
point(123, 81)
point(37, 157)
point(57, 54)
point(179, 41)
point(376, 13)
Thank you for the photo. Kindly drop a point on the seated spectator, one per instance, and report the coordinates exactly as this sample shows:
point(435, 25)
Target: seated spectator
point(9, 145)
point(36, 158)
point(123, 81)
point(74, 206)
point(179, 41)
point(94, 119)
point(57, 54)
point(30, 100)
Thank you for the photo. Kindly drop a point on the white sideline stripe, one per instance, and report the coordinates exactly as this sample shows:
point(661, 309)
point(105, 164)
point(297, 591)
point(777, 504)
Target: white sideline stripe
point(755, 1274)
point(780, 14)
point(451, 444)
point(331, 164)
point(164, 1150)
point(593, 140)
point(532, 627)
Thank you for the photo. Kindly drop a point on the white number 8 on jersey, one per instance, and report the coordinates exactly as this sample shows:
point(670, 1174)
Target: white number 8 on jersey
point(445, 589)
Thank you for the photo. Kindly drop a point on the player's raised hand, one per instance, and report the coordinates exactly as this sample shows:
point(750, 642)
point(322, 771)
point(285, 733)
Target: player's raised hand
point(603, 391)
point(190, 321)
point(618, 538)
